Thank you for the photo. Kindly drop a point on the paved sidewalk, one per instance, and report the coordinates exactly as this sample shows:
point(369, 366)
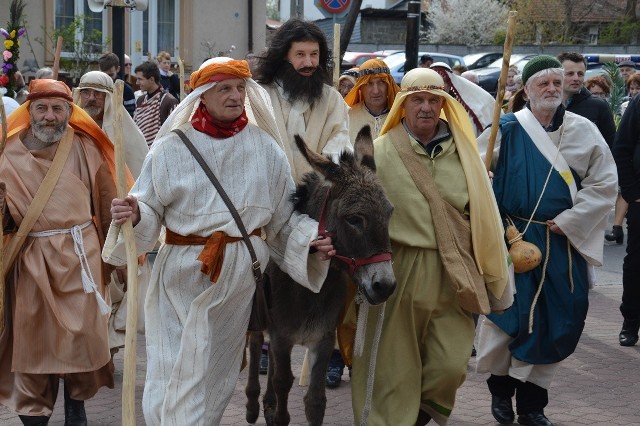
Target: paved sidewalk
point(598, 385)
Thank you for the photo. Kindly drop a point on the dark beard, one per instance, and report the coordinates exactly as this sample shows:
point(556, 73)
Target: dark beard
point(298, 87)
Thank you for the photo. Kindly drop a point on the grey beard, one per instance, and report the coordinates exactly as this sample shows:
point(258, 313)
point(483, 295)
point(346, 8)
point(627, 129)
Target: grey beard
point(93, 111)
point(48, 134)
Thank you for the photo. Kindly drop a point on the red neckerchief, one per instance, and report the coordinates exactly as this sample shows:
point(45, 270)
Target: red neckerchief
point(203, 122)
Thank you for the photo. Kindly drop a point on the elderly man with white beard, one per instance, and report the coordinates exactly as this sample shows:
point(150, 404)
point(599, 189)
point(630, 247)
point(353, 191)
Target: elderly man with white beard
point(94, 95)
point(555, 180)
point(56, 306)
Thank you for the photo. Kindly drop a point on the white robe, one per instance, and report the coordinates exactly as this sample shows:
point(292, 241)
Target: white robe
point(323, 126)
point(195, 328)
point(359, 117)
point(588, 155)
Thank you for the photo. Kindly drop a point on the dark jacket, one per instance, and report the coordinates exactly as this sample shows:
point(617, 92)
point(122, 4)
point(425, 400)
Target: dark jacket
point(596, 110)
point(172, 84)
point(625, 146)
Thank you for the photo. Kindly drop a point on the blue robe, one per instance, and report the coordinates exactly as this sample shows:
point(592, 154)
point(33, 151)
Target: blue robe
point(559, 313)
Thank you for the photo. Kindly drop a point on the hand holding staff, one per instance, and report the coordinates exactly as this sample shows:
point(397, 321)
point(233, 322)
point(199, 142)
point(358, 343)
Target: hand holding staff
point(129, 375)
point(508, 43)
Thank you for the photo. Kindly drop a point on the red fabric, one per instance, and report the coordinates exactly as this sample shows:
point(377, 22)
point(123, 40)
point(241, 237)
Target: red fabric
point(203, 122)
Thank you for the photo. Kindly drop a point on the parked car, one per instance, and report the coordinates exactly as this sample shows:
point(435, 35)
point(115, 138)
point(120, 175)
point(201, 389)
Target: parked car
point(488, 76)
point(355, 59)
point(480, 60)
point(595, 62)
point(396, 61)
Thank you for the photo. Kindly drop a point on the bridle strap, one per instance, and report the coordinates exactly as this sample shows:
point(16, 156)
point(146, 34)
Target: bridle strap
point(353, 263)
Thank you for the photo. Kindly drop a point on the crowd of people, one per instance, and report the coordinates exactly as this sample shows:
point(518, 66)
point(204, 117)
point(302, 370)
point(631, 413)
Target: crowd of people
point(552, 177)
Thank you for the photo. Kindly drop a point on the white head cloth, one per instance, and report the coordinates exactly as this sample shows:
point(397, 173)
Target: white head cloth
point(257, 105)
point(135, 145)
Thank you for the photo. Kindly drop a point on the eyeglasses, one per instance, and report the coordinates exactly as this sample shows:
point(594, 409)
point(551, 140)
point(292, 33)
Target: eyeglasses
point(128, 64)
point(86, 93)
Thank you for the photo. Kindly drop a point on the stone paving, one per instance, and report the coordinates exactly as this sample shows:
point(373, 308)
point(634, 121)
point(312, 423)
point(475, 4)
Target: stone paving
point(598, 385)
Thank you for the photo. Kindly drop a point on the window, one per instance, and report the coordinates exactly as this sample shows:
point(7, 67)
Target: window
point(160, 25)
point(66, 10)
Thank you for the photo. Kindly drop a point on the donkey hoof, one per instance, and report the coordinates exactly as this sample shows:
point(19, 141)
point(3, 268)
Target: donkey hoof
point(252, 416)
point(270, 416)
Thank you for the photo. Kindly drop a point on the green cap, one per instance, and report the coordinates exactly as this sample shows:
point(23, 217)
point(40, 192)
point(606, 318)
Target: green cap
point(538, 64)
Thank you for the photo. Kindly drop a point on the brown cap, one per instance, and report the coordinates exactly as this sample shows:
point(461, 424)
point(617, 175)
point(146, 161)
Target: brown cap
point(46, 88)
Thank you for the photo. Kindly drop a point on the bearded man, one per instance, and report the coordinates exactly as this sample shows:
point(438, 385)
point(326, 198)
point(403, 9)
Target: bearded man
point(56, 305)
point(294, 73)
point(94, 94)
point(196, 322)
point(371, 97)
point(555, 180)
point(426, 329)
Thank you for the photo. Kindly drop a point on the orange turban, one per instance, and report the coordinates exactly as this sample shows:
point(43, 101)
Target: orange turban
point(373, 68)
point(79, 120)
point(214, 72)
point(45, 88)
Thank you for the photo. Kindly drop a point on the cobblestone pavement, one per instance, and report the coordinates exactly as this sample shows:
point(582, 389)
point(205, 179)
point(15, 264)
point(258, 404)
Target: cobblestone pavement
point(597, 385)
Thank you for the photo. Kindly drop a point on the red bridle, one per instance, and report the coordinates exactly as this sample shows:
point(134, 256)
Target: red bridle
point(353, 263)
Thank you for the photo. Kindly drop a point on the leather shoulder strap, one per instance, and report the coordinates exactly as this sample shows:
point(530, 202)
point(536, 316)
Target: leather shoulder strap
point(40, 199)
point(232, 209)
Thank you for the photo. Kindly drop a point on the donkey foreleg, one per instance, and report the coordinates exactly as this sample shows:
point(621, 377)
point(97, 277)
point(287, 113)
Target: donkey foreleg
point(315, 400)
point(282, 377)
point(252, 390)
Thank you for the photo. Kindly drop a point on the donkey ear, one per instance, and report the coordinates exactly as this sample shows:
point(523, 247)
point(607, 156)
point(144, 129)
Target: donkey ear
point(363, 148)
point(318, 162)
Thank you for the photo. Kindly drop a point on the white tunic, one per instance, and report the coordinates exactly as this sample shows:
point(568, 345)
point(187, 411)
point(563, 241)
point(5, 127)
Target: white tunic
point(195, 328)
point(324, 126)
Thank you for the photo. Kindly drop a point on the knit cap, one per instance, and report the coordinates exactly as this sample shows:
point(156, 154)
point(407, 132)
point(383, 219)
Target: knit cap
point(537, 64)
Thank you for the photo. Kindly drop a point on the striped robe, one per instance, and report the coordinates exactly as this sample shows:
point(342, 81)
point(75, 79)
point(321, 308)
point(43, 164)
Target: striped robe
point(196, 329)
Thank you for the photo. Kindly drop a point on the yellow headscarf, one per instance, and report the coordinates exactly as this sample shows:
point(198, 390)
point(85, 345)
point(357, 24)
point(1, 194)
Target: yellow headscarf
point(373, 68)
point(487, 232)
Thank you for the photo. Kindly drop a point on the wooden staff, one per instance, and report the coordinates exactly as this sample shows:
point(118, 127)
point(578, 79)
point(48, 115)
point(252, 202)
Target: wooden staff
point(56, 60)
point(129, 374)
point(502, 81)
point(3, 142)
point(336, 54)
point(181, 69)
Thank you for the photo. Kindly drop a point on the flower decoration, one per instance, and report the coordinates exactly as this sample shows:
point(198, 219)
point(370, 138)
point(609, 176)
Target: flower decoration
point(11, 45)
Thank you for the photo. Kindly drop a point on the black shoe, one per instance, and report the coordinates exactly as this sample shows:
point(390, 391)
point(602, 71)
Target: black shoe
point(264, 363)
point(335, 370)
point(74, 413)
point(423, 418)
point(629, 333)
point(502, 410)
point(537, 418)
point(473, 350)
point(616, 234)
point(34, 420)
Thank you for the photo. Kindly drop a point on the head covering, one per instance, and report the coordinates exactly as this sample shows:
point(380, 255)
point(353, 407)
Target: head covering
point(257, 103)
point(537, 64)
point(373, 68)
point(351, 74)
point(627, 64)
point(79, 120)
point(478, 103)
point(43, 88)
point(486, 226)
point(135, 145)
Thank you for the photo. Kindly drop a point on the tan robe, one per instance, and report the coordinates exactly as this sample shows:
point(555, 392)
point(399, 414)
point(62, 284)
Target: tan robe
point(53, 326)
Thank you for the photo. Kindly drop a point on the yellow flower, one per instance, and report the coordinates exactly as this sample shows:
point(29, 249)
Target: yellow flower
point(8, 44)
point(13, 34)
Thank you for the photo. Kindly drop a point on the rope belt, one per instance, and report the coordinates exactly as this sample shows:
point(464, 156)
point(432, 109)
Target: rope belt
point(88, 283)
point(544, 267)
point(212, 255)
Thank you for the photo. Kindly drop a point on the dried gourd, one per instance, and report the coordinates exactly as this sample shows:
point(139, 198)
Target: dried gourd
point(524, 255)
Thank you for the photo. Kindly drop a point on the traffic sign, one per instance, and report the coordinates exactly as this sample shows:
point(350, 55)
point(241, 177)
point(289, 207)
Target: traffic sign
point(335, 6)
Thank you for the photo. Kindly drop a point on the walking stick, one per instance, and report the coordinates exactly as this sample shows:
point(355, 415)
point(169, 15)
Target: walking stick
point(3, 142)
point(502, 81)
point(129, 375)
point(181, 68)
point(56, 60)
point(336, 54)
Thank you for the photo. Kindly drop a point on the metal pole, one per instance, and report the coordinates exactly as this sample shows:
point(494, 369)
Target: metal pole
point(117, 36)
point(413, 36)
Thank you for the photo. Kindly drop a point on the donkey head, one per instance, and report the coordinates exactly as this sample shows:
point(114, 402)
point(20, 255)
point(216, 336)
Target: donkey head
point(356, 211)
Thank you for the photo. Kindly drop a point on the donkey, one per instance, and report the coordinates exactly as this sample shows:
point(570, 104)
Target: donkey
point(348, 201)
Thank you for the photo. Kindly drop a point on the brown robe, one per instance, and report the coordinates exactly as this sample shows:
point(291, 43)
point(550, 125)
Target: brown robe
point(53, 327)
